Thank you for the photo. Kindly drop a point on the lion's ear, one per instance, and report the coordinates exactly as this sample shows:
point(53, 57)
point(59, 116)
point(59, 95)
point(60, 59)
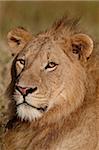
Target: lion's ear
point(82, 45)
point(17, 39)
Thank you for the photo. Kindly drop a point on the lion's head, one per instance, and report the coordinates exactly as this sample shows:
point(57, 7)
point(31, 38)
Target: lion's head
point(48, 70)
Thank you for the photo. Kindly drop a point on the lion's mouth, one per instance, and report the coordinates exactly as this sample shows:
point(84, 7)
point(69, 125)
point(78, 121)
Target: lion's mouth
point(42, 109)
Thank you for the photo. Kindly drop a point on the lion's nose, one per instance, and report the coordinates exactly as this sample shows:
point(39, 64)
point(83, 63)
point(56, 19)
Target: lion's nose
point(26, 90)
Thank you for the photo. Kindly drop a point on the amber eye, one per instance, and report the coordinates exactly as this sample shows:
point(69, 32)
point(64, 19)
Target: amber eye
point(21, 61)
point(51, 65)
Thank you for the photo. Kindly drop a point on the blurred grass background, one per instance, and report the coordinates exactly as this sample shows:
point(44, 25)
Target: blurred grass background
point(38, 16)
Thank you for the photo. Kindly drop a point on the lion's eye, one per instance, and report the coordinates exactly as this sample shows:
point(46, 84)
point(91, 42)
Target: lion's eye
point(21, 61)
point(51, 65)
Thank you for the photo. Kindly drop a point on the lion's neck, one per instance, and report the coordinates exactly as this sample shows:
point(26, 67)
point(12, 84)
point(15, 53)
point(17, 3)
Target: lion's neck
point(45, 135)
point(54, 127)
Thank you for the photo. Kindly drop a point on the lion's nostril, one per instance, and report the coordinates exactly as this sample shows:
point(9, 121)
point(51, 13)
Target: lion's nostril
point(31, 90)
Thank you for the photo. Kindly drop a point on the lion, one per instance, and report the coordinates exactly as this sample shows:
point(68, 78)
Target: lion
point(53, 91)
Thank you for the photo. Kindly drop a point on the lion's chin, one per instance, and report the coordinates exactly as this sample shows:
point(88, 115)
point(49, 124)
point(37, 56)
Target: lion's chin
point(28, 113)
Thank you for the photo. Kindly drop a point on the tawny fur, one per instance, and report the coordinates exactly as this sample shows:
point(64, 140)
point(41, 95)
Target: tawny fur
point(72, 119)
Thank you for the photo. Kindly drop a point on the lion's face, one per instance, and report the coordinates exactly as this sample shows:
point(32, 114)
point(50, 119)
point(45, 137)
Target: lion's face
point(40, 79)
point(47, 76)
